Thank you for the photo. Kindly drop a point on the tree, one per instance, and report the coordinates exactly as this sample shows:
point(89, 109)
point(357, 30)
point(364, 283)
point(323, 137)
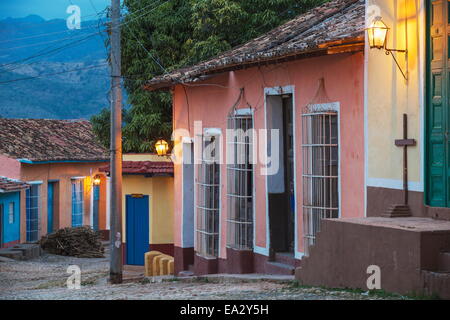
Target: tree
point(158, 37)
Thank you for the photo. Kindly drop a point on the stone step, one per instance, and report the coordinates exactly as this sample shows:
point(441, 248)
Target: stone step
point(11, 254)
point(285, 258)
point(444, 262)
point(274, 267)
point(29, 251)
point(436, 284)
point(185, 273)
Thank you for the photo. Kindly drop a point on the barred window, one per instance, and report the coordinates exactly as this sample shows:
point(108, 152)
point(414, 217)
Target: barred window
point(240, 182)
point(320, 171)
point(32, 210)
point(207, 198)
point(77, 202)
point(11, 213)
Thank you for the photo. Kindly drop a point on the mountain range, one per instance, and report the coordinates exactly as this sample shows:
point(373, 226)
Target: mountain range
point(49, 71)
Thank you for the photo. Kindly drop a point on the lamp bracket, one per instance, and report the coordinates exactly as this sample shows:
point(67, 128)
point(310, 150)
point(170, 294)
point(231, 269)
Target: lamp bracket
point(390, 52)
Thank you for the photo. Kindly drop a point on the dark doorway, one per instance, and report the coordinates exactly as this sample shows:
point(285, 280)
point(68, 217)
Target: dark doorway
point(280, 186)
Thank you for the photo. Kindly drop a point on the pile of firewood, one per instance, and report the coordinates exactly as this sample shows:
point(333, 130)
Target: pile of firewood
point(81, 242)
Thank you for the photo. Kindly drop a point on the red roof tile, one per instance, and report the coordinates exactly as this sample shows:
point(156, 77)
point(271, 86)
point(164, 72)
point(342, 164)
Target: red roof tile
point(144, 167)
point(334, 22)
point(9, 185)
point(50, 140)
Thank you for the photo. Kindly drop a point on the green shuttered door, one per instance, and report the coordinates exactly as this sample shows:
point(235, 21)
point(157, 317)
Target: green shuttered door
point(437, 171)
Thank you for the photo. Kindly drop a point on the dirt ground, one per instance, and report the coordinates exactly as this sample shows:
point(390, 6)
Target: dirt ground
point(45, 279)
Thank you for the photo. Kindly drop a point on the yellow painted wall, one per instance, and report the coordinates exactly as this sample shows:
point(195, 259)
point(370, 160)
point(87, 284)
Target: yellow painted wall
point(145, 157)
point(160, 192)
point(389, 95)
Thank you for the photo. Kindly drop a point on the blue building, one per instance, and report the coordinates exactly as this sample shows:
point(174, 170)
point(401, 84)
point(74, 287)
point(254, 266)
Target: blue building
point(10, 207)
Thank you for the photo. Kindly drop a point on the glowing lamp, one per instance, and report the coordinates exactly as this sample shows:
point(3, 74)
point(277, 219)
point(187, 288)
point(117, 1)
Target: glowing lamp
point(377, 34)
point(161, 147)
point(97, 180)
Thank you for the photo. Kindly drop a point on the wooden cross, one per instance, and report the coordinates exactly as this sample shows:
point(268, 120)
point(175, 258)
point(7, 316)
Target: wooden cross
point(402, 210)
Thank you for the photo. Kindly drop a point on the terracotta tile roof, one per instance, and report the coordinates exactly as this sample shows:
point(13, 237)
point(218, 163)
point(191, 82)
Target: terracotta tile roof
point(50, 140)
point(8, 185)
point(336, 22)
point(145, 167)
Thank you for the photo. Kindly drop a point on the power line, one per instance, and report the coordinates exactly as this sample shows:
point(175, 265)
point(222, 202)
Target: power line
point(53, 74)
point(43, 52)
point(46, 42)
point(76, 42)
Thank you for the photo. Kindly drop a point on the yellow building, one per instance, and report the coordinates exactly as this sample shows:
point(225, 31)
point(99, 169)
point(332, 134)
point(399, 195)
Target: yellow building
point(147, 206)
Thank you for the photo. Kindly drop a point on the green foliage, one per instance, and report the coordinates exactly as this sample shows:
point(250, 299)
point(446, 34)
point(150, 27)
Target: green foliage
point(178, 33)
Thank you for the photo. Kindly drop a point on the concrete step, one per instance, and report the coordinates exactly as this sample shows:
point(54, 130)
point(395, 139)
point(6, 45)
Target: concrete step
point(11, 254)
point(274, 267)
point(436, 284)
point(444, 262)
point(185, 273)
point(29, 251)
point(285, 258)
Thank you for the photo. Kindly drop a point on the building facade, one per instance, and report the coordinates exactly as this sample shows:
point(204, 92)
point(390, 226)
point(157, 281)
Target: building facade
point(147, 206)
point(239, 216)
point(11, 194)
point(59, 160)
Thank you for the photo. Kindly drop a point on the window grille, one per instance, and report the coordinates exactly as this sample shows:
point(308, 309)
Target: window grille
point(207, 198)
point(11, 213)
point(32, 210)
point(240, 182)
point(320, 172)
point(77, 203)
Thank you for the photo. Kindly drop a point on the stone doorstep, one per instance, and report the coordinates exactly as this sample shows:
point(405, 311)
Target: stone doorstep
point(29, 251)
point(11, 254)
point(24, 251)
point(444, 262)
point(244, 277)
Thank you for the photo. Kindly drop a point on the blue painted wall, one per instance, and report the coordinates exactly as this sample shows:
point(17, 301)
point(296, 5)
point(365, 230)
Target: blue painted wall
point(11, 231)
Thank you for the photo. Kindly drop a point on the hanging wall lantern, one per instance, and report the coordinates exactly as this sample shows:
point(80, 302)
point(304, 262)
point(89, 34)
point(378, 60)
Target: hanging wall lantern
point(161, 147)
point(377, 34)
point(97, 180)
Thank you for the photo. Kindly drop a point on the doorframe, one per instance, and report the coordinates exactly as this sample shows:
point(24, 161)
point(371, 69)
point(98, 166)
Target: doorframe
point(277, 91)
point(130, 196)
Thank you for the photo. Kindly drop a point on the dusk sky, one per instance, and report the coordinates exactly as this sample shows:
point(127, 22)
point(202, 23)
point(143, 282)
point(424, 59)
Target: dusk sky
point(48, 9)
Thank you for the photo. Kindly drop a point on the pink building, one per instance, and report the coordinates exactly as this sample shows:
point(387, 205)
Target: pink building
point(260, 213)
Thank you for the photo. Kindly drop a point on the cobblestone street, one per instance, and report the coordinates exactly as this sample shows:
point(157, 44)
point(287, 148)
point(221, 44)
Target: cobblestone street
point(45, 278)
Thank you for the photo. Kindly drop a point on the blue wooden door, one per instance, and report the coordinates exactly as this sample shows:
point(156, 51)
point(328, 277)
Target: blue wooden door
point(95, 207)
point(50, 206)
point(137, 229)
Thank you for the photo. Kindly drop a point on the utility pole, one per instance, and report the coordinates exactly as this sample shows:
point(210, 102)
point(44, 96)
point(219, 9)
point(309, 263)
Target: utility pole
point(115, 270)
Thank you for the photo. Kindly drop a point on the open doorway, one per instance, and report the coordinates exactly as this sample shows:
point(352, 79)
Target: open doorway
point(281, 185)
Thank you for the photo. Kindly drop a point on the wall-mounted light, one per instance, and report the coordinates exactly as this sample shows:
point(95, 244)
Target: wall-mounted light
point(377, 34)
point(97, 180)
point(161, 147)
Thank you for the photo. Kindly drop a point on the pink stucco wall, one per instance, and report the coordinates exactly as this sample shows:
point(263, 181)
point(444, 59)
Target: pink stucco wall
point(9, 167)
point(343, 74)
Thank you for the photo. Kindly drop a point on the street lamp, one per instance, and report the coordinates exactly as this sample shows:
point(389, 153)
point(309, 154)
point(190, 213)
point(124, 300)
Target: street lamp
point(161, 147)
point(377, 34)
point(97, 180)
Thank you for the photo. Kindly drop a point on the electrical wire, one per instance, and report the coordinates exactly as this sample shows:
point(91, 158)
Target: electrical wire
point(53, 74)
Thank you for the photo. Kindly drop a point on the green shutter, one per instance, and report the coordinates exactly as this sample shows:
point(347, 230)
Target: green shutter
point(437, 113)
